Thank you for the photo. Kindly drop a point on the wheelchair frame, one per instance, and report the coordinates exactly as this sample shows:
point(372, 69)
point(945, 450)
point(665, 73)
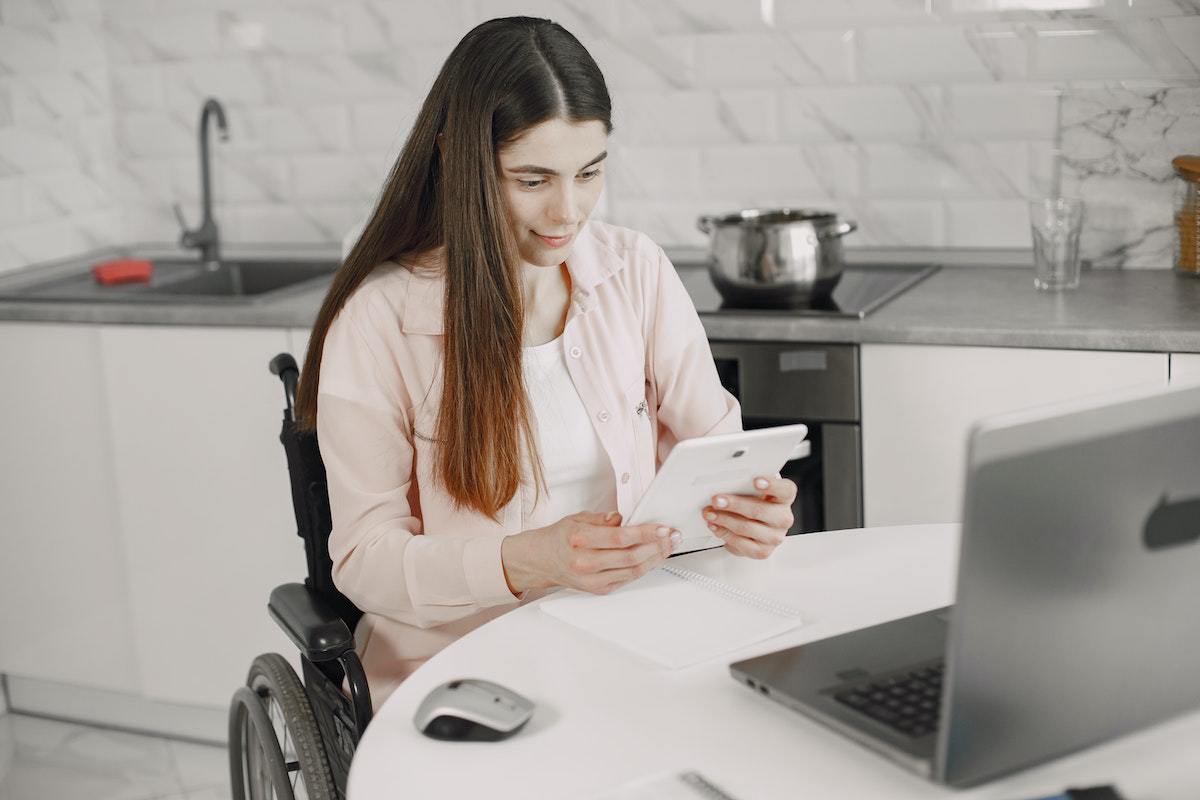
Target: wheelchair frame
point(319, 620)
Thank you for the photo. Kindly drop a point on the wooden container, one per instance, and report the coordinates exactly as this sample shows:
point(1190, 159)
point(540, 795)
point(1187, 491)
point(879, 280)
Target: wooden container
point(1187, 215)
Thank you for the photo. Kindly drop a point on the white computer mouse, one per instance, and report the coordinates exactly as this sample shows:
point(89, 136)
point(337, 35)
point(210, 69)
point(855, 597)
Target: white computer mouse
point(472, 710)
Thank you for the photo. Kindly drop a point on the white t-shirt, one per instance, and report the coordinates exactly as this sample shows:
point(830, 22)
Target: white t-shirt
point(579, 475)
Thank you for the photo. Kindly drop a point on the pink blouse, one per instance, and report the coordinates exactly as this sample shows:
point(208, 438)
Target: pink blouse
point(423, 572)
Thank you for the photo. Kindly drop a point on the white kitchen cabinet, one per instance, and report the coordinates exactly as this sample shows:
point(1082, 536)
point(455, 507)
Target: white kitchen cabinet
point(64, 604)
point(1185, 366)
point(919, 403)
point(204, 501)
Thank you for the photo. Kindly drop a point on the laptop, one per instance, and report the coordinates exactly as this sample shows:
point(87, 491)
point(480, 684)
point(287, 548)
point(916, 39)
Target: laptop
point(1076, 609)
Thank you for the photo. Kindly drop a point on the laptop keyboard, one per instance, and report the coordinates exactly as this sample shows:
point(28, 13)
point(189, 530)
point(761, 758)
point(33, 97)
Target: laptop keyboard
point(907, 702)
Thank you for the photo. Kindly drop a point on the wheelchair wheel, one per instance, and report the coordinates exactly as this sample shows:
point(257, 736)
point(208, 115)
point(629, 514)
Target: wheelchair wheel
point(275, 749)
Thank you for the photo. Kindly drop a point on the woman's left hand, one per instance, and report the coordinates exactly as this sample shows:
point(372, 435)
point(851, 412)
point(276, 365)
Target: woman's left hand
point(753, 526)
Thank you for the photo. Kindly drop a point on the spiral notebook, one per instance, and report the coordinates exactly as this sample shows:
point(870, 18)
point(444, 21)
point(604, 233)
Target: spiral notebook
point(675, 617)
point(688, 785)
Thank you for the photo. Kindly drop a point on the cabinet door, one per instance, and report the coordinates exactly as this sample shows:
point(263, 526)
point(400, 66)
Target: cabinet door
point(204, 500)
point(919, 404)
point(1185, 367)
point(64, 606)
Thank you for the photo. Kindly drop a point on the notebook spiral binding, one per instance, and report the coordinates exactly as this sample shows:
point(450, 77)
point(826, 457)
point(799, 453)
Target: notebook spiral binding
point(704, 787)
point(732, 592)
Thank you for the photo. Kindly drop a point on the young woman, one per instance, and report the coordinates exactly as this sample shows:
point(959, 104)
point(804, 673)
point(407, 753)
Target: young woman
point(493, 378)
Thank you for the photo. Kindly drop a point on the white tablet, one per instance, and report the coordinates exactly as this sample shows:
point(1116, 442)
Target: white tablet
point(696, 469)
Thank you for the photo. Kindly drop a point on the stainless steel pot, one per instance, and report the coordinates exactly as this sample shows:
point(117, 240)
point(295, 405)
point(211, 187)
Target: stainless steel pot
point(775, 257)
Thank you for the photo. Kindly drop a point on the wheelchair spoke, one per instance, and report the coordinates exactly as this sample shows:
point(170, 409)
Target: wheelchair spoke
point(290, 757)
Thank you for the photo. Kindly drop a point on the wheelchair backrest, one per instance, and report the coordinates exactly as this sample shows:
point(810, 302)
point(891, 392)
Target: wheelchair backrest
point(310, 501)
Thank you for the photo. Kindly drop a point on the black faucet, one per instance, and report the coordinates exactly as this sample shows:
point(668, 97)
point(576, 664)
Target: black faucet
point(205, 237)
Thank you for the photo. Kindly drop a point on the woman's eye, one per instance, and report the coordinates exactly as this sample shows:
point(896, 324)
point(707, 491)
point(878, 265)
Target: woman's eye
point(530, 184)
point(587, 176)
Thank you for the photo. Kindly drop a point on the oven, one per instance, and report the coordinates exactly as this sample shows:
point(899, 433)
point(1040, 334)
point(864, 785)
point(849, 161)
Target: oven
point(779, 383)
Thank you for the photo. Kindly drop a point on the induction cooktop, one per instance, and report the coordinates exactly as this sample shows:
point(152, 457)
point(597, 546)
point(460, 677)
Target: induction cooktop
point(863, 288)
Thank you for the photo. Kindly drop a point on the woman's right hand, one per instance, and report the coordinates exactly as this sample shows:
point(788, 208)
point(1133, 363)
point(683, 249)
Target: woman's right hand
point(586, 551)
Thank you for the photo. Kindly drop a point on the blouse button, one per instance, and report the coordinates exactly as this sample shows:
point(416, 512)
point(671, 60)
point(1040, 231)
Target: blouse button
point(624, 477)
point(576, 352)
point(603, 416)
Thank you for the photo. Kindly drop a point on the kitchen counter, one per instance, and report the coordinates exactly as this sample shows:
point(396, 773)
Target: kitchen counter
point(1138, 310)
point(976, 298)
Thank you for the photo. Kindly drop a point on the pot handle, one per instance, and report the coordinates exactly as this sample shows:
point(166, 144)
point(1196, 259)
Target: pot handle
point(839, 230)
point(704, 223)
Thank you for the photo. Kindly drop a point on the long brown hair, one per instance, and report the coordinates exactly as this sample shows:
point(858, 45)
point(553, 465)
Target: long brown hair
point(504, 77)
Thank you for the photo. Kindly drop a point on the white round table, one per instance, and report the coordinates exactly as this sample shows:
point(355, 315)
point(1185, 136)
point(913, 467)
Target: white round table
point(605, 718)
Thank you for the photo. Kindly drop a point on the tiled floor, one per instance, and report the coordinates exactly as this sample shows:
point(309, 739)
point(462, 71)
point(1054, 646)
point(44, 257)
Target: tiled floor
point(47, 760)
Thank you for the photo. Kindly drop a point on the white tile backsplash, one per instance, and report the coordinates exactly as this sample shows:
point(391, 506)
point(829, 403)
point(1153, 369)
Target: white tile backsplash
point(656, 171)
point(157, 37)
point(1184, 34)
point(12, 203)
point(930, 121)
point(691, 16)
point(987, 223)
point(1087, 51)
point(1004, 50)
point(6, 108)
point(727, 60)
point(25, 50)
point(904, 223)
point(755, 171)
point(374, 26)
point(27, 150)
point(861, 114)
point(673, 117)
point(806, 14)
point(998, 111)
point(331, 177)
point(291, 29)
point(137, 87)
point(638, 63)
point(925, 53)
point(305, 129)
point(155, 133)
point(382, 124)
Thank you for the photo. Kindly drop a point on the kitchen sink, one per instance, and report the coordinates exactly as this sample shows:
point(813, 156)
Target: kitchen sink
point(183, 281)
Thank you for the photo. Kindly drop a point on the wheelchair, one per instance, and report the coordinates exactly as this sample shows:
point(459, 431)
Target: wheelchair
point(290, 739)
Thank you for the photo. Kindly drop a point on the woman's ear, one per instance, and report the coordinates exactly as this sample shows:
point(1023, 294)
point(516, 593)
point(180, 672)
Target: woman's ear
point(440, 138)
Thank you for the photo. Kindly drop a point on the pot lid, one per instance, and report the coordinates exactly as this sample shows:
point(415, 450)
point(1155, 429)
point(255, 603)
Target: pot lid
point(772, 216)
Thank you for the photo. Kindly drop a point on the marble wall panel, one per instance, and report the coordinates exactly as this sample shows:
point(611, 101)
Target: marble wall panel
point(1117, 145)
point(932, 121)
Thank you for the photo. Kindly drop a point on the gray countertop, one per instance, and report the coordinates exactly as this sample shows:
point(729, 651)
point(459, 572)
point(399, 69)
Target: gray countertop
point(976, 298)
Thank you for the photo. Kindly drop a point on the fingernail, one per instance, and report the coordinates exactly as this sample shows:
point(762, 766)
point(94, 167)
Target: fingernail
point(676, 537)
point(663, 532)
point(611, 516)
point(710, 516)
point(761, 483)
point(721, 502)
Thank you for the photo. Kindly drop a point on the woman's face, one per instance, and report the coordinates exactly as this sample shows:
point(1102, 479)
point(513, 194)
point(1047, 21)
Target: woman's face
point(551, 178)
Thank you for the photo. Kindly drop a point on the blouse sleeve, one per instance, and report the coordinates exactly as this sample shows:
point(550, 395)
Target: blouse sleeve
point(691, 400)
point(381, 560)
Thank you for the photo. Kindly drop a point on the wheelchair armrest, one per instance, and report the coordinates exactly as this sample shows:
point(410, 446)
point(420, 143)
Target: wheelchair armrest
point(310, 622)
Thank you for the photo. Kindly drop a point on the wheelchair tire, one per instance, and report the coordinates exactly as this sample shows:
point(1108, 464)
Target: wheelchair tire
point(286, 760)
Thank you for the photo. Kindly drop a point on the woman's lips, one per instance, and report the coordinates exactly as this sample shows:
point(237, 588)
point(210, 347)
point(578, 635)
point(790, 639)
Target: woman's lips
point(552, 241)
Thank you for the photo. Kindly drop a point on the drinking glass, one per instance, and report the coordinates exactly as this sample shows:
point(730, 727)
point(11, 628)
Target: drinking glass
point(1056, 223)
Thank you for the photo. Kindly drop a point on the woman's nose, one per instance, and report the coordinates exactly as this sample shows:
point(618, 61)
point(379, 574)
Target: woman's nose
point(564, 207)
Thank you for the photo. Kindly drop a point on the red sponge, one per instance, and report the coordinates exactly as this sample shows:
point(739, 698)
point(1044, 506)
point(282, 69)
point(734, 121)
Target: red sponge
point(123, 270)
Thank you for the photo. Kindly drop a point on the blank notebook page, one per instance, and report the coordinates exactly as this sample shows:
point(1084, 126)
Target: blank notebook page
point(674, 617)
